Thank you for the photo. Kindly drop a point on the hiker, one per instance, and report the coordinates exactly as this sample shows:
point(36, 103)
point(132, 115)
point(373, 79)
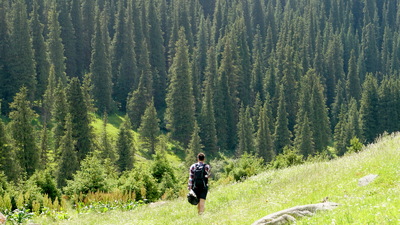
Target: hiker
point(198, 180)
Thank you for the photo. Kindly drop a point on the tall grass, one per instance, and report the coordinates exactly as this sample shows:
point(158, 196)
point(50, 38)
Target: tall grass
point(275, 190)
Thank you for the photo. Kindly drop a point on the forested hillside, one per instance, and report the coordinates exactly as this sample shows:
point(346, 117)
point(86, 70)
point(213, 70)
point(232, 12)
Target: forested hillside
point(227, 76)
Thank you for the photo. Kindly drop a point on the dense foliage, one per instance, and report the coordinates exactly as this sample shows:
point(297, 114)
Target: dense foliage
point(280, 79)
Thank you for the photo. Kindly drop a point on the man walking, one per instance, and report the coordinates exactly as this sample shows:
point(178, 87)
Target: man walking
point(198, 180)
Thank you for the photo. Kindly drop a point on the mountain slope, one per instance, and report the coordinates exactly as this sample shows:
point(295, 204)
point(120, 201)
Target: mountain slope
point(272, 191)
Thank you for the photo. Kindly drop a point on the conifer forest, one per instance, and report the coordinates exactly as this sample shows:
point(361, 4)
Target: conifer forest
point(225, 77)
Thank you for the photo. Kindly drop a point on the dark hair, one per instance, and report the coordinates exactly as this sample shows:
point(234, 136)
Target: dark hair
point(201, 156)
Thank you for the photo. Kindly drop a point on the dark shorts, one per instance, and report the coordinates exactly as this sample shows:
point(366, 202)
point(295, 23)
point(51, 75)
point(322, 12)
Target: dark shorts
point(201, 193)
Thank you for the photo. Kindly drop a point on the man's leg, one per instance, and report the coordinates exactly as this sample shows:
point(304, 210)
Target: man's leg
point(200, 206)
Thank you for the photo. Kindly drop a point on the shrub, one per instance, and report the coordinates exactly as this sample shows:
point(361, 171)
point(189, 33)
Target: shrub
point(46, 184)
point(355, 145)
point(289, 157)
point(141, 182)
point(247, 165)
point(91, 178)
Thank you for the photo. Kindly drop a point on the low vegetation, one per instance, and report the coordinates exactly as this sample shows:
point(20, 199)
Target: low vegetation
point(243, 202)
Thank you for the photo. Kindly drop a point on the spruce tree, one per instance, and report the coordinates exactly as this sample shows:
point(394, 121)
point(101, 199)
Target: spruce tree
point(44, 147)
point(59, 113)
point(263, 139)
point(180, 102)
point(340, 134)
point(157, 54)
point(68, 38)
point(258, 17)
point(68, 163)
point(77, 23)
point(138, 99)
point(4, 51)
point(82, 130)
point(100, 66)
point(49, 95)
point(353, 86)
point(318, 117)
point(56, 47)
point(282, 134)
point(7, 156)
point(245, 132)
point(124, 58)
point(194, 146)
point(124, 147)
point(23, 132)
point(42, 68)
point(369, 109)
point(107, 151)
point(88, 24)
point(207, 121)
point(149, 129)
point(21, 64)
point(304, 141)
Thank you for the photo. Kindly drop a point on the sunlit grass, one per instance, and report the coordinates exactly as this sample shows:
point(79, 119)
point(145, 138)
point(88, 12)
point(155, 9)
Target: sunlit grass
point(272, 191)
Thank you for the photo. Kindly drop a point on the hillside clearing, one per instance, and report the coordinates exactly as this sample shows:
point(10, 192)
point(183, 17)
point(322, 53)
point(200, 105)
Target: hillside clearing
point(275, 190)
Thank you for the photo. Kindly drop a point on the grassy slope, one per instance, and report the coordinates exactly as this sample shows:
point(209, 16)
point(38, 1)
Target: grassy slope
point(243, 203)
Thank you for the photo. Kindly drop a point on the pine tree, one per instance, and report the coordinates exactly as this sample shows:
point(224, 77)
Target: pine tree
point(124, 147)
point(59, 113)
point(258, 17)
point(245, 132)
point(124, 58)
point(87, 90)
point(149, 129)
point(4, 51)
point(56, 47)
point(77, 23)
point(138, 99)
point(88, 24)
point(7, 156)
point(21, 64)
point(107, 151)
point(23, 132)
point(180, 102)
point(49, 95)
point(318, 117)
point(304, 141)
point(282, 134)
point(68, 38)
point(207, 121)
point(257, 73)
point(157, 55)
point(226, 96)
point(40, 52)
point(44, 147)
point(100, 66)
point(340, 134)
point(370, 49)
point(81, 127)
point(353, 86)
point(194, 146)
point(68, 163)
point(388, 102)
point(369, 109)
point(263, 140)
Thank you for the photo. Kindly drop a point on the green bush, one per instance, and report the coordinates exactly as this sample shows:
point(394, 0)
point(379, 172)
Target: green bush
point(289, 157)
point(46, 184)
point(245, 166)
point(141, 182)
point(355, 145)
point(92, 177)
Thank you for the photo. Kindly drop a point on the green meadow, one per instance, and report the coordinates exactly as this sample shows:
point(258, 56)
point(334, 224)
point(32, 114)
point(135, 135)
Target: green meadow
point(275, 190)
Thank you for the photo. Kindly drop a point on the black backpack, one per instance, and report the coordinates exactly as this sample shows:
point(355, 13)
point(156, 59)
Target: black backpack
point(200, 179)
